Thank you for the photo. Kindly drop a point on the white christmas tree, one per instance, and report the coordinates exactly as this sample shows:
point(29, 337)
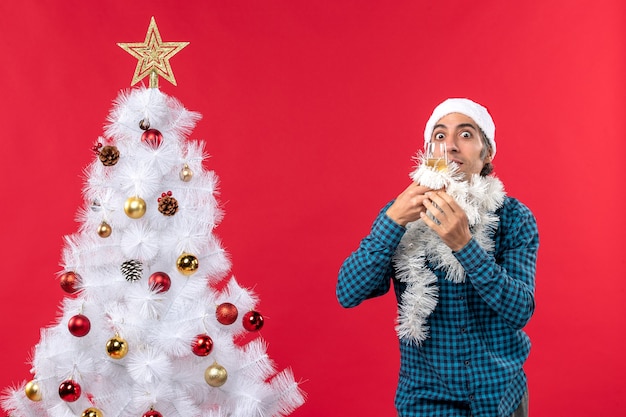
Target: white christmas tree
point(152, 326)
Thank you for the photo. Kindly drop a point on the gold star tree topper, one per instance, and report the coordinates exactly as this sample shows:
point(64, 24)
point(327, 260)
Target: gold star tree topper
point(153, 56)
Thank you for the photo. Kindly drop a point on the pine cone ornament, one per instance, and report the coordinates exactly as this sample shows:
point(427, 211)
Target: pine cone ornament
point(109, 155)
point(168, 205)
point(132, 270)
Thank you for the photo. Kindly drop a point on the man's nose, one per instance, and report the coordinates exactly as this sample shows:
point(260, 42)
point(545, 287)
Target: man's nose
point(451, 145)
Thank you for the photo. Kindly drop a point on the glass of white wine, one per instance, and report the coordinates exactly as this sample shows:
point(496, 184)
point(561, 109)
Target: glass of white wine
point(436, 156)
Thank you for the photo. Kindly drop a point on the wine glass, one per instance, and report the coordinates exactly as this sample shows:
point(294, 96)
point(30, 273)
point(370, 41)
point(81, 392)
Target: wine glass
point(436, 156)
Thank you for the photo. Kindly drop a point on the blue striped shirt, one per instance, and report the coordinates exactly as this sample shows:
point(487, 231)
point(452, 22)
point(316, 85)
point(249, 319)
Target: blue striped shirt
point(472, 362)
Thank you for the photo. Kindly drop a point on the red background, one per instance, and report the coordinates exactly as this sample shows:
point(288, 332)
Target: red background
point(312, 112)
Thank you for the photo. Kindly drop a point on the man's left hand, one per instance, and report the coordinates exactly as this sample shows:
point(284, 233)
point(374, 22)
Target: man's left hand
point(453, 227)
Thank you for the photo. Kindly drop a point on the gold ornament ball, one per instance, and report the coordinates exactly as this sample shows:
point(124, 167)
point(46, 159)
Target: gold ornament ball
point(33, 392)
point(104, 230)
point(135, 207)
point(92, 412)
point(215, 375)
point(186, 173)
point(117, 347)
point(187, 264)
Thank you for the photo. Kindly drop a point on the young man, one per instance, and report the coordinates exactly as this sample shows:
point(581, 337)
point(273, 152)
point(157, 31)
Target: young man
point(461, 256)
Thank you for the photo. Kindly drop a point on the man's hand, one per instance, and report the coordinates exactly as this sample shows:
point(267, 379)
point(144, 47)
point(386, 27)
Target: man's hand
point(453, 226)
point(408, 206)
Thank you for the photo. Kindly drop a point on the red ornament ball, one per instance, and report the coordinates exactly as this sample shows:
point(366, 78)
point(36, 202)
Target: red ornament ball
point(226, 313)
point(152, 413)
point(70, 281)
point(69, 390)
point(79, 325)
point(202, 345)
point(252, 321)
point(160, 282)
point(152, 137)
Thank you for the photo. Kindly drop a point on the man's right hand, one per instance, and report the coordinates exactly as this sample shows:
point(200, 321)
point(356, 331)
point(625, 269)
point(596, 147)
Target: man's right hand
point(408, 205)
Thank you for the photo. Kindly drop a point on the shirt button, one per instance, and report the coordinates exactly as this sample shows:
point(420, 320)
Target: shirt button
point(466, 363)
point(463, 329)
point(471, 397)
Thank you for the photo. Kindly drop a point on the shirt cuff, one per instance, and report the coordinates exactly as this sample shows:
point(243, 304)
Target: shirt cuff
point(472, 257)
point(388, 231)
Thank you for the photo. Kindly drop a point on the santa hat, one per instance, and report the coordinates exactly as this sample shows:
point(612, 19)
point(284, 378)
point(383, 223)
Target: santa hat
point(467, 107)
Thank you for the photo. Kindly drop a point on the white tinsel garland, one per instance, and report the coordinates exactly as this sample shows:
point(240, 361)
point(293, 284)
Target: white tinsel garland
point(479, 197)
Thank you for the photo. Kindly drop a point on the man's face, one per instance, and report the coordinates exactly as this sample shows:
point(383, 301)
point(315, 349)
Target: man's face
point(463, 142)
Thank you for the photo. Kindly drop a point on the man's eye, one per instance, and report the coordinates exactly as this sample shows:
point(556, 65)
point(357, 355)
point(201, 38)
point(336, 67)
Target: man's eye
point(439, 136)
point(466, 135)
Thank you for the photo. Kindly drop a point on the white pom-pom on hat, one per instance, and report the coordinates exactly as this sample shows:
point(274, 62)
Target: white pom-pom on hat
point(469, 108)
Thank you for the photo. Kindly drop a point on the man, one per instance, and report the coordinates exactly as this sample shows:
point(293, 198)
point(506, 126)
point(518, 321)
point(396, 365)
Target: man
point(461, 255)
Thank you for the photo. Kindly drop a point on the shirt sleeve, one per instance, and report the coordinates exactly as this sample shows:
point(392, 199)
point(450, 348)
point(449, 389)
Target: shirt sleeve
point(366, 273)
point(506, 280)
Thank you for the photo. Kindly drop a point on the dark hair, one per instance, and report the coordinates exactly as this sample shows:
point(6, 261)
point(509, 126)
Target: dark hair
point(487, 150)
